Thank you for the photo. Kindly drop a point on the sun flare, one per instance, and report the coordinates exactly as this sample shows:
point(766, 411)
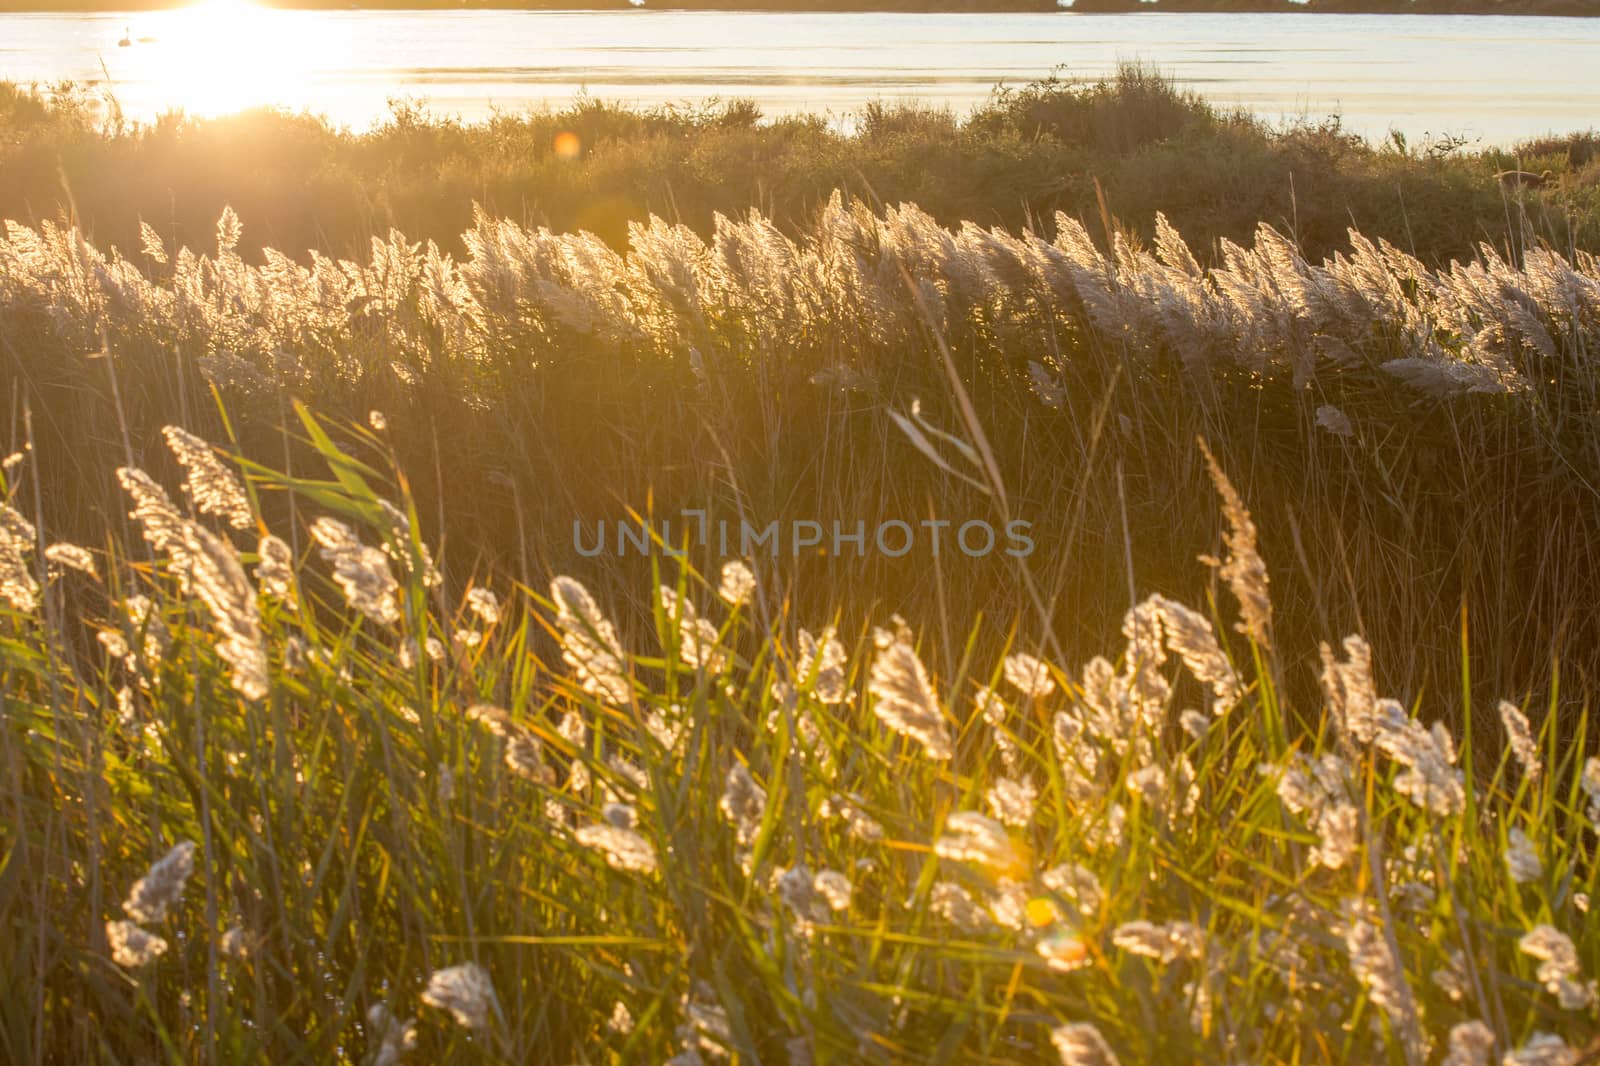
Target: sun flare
point(218, 56)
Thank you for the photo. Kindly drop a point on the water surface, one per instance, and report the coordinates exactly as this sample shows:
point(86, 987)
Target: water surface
point(1485, 77)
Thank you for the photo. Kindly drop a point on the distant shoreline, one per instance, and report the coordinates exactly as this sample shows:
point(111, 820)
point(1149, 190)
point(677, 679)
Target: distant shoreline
point(1562, 8)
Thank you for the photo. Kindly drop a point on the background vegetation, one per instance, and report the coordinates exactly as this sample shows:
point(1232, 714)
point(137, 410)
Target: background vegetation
point(1468, 500)
point(1031, 152)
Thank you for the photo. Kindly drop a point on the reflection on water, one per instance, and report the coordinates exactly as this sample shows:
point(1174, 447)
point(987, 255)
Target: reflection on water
point(1498, 78)
point(213, 58)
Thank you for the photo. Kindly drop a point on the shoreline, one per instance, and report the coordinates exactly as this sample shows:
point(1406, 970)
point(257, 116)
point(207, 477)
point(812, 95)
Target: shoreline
point(1512, 8)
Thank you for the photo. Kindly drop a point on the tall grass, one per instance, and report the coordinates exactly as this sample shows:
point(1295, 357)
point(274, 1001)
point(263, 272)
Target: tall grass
point(1425, 437)
point(335, 744)
point(342, 813)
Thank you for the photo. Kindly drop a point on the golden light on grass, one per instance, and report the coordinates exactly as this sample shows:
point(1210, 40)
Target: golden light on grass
point(1058, 845)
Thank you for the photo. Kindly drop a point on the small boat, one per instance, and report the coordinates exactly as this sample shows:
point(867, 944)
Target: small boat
point(127, 40)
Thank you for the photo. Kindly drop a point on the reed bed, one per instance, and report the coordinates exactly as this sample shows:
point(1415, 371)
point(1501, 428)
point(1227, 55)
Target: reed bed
point(332, 742)
point(276, 791)
point(860, 283)
point(1425, 437)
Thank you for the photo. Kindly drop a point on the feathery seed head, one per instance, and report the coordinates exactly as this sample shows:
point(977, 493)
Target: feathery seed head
point(1470, 1044)
point(394, 1037)
point(275, 568)
point(589, 643)
point(905, 700)
point(975, 838)
point(466, 992)
point(1522, 861)
point(696, 636)
point(1080, 1044)
point(624, 848)
point(1029, 675)
point(18, 586)
point(1520, 736)
point(1558, 965)
point(1243, 569)
point(955, 904)
point(483, 603)
point(132, 947)
point(71, 557)
point(219, 581)
point(835, 889)
point(1012, 799)
point(361, 571)
point(212, 486)
point(738, 583)
point(151, 896)
point(1166, 942)
point(743, 803)
point(822, 660)
point(1077, 883)
point(1376, 967)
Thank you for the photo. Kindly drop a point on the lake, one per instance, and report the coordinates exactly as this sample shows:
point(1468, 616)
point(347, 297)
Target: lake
point(1489, 78)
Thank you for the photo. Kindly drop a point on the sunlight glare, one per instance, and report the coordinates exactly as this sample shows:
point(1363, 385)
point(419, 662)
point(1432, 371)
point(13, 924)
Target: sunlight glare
point(220, 56)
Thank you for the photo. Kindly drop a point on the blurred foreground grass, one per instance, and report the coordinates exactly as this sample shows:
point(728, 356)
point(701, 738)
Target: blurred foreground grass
point(396, 824)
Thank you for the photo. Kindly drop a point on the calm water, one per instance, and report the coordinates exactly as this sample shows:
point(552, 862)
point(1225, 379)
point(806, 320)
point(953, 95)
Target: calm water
point(1494, 78)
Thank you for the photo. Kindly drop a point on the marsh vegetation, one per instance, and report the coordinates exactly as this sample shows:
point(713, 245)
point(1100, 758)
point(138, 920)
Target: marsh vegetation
point(324, 741)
